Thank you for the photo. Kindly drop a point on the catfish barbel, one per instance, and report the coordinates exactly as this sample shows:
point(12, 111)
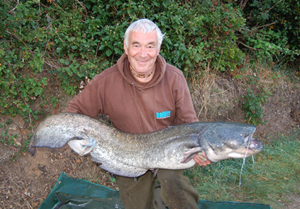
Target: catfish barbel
point(132, 155)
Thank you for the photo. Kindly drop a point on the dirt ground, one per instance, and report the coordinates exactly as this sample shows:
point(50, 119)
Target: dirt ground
point(25, 180)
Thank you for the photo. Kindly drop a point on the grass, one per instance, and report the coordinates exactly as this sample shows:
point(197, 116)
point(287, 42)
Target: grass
point(270, 180)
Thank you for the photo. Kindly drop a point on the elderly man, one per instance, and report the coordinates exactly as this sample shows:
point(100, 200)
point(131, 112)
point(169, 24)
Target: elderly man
point(142, 93)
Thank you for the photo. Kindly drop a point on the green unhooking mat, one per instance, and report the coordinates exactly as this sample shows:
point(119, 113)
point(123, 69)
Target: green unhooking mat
point(70, 193)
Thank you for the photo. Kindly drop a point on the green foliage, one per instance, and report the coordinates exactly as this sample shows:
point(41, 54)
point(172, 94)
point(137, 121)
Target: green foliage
point(274, 29)
point(253, 106)
point(18, 89)
point(6, 138)
point(20, 62)
point(26, 144)
point(54, 101)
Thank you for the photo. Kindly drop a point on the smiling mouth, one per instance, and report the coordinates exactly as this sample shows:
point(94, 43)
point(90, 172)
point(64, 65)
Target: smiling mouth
point(143, 62)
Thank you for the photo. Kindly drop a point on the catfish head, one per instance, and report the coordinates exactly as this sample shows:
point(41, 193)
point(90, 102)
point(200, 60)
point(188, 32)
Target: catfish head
point(222, 140)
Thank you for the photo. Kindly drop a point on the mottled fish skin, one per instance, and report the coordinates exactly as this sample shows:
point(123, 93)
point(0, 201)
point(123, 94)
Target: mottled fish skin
point(132, 155)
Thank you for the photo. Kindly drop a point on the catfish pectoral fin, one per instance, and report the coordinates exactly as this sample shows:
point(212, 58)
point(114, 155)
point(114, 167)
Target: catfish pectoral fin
point(82, 147)
point(189, 155)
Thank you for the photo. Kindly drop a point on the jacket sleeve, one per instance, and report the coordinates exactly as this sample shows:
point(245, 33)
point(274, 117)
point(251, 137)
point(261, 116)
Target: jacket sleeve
point(185, 112)
point(87, 102)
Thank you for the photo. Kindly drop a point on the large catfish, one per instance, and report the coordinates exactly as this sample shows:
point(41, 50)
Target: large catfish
point(132, 155)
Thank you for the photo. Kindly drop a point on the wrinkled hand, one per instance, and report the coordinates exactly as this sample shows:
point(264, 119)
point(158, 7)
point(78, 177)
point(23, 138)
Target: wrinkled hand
point(202, 161)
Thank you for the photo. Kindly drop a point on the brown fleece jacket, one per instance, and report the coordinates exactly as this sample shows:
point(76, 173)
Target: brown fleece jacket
point(135, 107)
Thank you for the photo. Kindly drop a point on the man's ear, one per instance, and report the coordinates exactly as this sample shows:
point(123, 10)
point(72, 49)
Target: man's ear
point(158, 51)
point(125, 48)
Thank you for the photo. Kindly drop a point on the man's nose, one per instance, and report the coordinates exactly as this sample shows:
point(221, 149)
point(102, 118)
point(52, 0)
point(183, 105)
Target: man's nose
point(143, 52)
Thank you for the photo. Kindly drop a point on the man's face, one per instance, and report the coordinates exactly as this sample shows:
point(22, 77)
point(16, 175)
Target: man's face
point(142, 51)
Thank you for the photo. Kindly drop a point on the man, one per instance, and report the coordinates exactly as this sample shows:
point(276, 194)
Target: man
point(142, 93)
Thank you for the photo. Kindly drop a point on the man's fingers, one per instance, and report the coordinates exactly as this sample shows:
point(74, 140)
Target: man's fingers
point(198, 160)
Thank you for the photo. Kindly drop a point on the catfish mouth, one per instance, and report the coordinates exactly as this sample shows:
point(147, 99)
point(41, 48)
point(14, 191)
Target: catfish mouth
point(252, 144)
point(251, 147)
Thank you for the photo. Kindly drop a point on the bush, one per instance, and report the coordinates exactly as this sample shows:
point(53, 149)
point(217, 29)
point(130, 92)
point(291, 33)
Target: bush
point(253, 106)
point(274, 28)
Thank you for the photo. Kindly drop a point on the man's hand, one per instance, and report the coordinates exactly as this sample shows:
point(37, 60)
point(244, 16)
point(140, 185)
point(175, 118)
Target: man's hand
point(202, 161)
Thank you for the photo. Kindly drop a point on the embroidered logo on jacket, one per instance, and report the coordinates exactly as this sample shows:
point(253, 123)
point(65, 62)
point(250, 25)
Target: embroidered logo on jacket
point(164, 114)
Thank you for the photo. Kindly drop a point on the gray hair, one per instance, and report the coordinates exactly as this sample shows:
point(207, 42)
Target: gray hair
point(146, 26)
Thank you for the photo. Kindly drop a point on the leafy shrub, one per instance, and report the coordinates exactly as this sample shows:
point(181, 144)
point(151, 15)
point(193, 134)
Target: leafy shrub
point(5, 138)
point(274, 28)
point(253, 106)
